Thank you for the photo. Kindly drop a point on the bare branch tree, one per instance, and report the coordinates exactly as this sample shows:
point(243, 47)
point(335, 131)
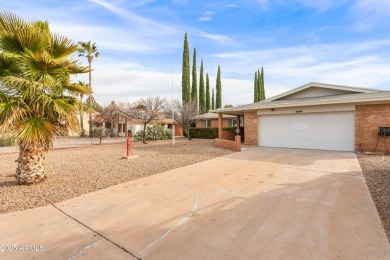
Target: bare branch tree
point(184, 114)
point(146, 110)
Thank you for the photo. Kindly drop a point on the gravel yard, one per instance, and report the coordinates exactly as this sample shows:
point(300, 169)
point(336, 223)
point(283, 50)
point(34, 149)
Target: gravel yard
point(376, 170)
point(75, 171)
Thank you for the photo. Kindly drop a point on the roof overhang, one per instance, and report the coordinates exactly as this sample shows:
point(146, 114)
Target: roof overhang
point(302, 103)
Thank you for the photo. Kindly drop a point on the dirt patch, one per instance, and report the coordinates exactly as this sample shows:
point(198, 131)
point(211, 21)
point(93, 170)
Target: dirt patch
point(376, 170)
point(75, 171)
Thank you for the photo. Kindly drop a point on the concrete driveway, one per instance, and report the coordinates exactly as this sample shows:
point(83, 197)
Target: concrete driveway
point(262, 203)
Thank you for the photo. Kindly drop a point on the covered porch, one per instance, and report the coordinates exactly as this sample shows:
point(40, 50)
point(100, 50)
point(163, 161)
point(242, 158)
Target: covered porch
point(231, 139)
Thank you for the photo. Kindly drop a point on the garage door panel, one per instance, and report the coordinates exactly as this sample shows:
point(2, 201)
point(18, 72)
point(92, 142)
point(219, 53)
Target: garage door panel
point(325, 131)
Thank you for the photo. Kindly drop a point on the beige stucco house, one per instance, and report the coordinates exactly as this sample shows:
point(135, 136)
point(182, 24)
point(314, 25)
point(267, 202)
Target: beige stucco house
point(318, 116)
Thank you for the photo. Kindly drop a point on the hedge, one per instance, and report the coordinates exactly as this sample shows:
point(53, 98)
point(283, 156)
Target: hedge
point(209, 132)
point(204, 133)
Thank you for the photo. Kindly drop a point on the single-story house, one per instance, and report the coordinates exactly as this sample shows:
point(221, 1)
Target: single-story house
point(211, 120)
point(318, 116)
point(118, 122)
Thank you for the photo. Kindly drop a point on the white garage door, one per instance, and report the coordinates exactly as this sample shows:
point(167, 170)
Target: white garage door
point(323, 131)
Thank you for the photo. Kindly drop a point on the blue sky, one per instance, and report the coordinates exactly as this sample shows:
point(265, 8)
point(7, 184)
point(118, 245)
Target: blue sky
point(296, 41)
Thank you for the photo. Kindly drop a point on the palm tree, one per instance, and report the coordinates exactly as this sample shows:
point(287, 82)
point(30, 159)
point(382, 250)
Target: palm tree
point(89, 50)
point(37, 99)
point(81, 110)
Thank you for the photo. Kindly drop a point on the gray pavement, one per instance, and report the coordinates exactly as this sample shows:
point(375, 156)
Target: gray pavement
point(262, 203)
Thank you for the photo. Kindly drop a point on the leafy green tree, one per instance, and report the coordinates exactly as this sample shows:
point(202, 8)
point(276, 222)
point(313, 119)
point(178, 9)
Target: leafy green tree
point(208, 105)
point(37, 100)
point(218, 98)
point(228, 106)
point(212, 101)
point(95, 107)
point(194, 87)
point(89, 50)
point(202, 94)
point(185, 76)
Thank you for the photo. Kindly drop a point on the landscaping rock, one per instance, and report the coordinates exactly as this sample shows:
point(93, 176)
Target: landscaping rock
point(72, 172)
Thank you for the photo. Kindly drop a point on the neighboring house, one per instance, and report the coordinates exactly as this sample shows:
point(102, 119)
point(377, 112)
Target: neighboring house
point(85, 123)
point(211, 120)
point(117, 122)
point(318, 116)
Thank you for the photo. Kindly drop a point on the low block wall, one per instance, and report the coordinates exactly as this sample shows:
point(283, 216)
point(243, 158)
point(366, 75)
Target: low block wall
point(228, 135)
point(227, 144)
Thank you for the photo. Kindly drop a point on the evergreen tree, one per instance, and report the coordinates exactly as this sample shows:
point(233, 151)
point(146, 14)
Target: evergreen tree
point(256, 90)
point(202, 96)
point(194, 88)
point(185, 77)
point(218, 98)
point(259, 85)
point(208, 106)
point(212, 101)
point(262, 84)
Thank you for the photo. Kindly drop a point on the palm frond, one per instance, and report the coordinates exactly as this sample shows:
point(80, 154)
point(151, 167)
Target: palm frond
point(77, 89)
point(43, 68)
point(75, 67)
point(12, 111)
point(8, 66)
point(10, 23)
point(36, 130)
point(61, 46)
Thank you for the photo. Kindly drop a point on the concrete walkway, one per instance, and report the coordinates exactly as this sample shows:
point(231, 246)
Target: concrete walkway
point(262, 203)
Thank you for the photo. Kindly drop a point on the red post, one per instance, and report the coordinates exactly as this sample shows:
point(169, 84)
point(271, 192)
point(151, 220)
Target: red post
point(128, 144)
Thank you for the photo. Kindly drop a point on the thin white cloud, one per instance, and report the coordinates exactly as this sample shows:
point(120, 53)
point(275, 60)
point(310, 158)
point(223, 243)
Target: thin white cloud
point(368, 13)
point(206, 17)
point(222, 39)
point(321, 5)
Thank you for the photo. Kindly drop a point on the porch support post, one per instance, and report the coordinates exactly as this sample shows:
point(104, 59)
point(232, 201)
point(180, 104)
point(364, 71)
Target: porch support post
point(238, 121)
point(126, 126)
point(219, 126)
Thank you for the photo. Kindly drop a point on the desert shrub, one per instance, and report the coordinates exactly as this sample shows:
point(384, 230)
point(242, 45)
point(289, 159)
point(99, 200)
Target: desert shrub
point(8, 141)
point(155, 132)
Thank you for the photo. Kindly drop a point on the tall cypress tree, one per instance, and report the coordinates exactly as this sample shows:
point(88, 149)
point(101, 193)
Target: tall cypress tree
point(212, 101)
point(262, 84)
point(202, 101)
point(256, 90)
point(218, 98)
point(207, 93)
point(185, 76)
point(194, 87)
point(259, 85)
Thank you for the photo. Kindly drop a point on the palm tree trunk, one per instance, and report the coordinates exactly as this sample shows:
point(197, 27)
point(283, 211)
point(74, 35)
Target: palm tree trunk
point(90, 95)
point(31, 168)
point(81, 115)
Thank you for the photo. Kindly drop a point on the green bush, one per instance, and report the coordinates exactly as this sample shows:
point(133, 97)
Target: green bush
point(8, 141)
point(156, 132)
point(204, 133)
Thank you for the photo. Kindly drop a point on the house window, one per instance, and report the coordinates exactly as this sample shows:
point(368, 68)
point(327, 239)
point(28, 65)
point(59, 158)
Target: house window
point(206, 123)
point(232, 122)
point(121, 128)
